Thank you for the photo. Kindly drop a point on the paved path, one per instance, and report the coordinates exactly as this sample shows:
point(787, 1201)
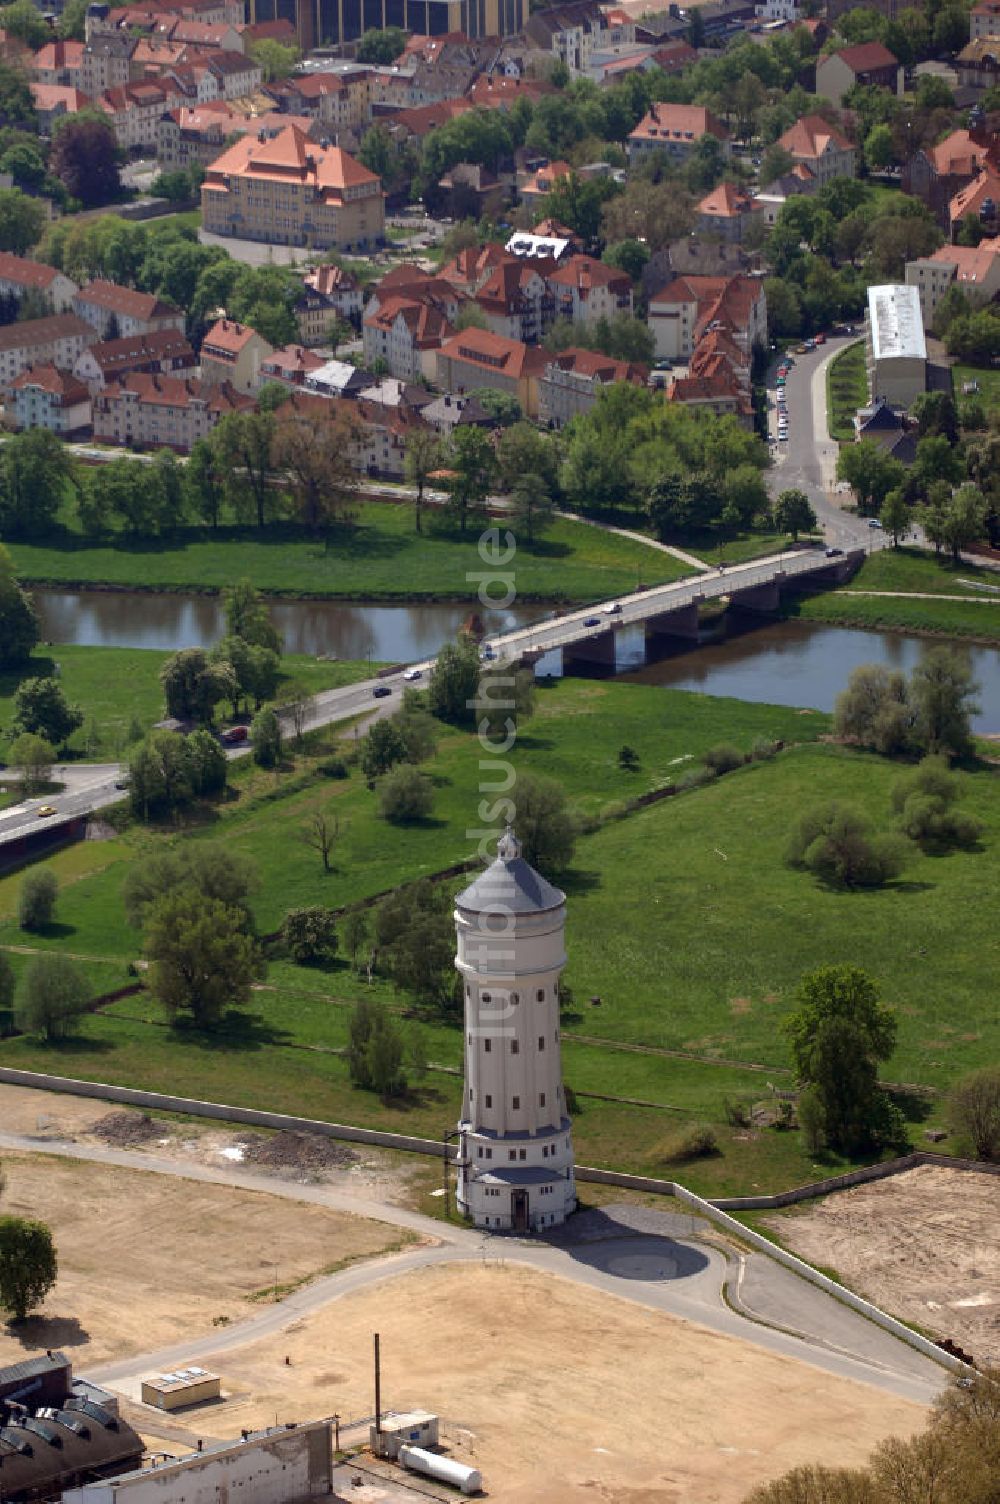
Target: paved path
point(680, 1276)
point(625, 532)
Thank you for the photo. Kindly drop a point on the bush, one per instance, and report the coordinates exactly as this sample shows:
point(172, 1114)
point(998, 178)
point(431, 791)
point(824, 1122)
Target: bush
point(737, 1114)
point(974, 1111)
point(812, 1119)
point(309, 935)
point(333, 767)
point(628, 759)
point(265, 739)
point(405, 795)
point(695, 778)
point(697, 1142)
point(36, 904)
point(724, 757)
point(763, 749)
point(52, 996)
point(923, 799)
point(835, 843)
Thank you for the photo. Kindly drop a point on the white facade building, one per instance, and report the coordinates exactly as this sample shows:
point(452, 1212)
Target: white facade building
point(516, 1159)
point(896, 351)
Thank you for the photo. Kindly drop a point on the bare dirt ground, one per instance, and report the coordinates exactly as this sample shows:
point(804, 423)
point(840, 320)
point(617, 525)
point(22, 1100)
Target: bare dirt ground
point(374, 1173)
point(567, 1395)
point(145, 1260)
point(924, 1245)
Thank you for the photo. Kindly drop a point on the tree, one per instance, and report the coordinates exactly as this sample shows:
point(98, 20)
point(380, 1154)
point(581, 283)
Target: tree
point(206, 763)
point(504, 698)
point(254, 671)
point(974, 1111)
point(40, 708)
point(375, 1050)
point(874, 710)
point(415, 942)
point(28, 1266)
point(942, 692)
point(247, 616)
point(19, 629)
point(214, 871)
point(383, 746)
point(276, 59)
point(839, 1034)
point(22, 220)
point(36, 901)
point(870, 473)
point(204, 482)
point(532, 508)
point(793, 513)
point(545, 826)
point(422, 458)
point(159, 778)
point(17, 106)
point(473, 465)
point(405, 795)
point(320, 833)
point(265, 739)
point(897, 516)
point(202, 961)
point(193, 684)
point(34, 470)
point(879, 148)
point(775, 163)
point(243, 442)
point(6, 1002)
point(454, 680)
point(381, 45)
point(629, 256)
point(33, 757)
point(356, 931)
point(504, 409)
point(52, 996)
point(84, 159)
point(836, 843)
point(22, 20)
point(314, 450)
point(310, 935)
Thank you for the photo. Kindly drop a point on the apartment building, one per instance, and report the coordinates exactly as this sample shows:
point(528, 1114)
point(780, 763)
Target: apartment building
point(586, 290)
point(476, 358)
point(56, 341)
point(869, 63)
point(572, 381)
point(232, 354)
point(115, 312)
point(143, 411)
point(18, 276)
point(328, 294)
point(675, 130)
point(689, 307)
point(45, 397)
point(823, 148)
point(164, 352)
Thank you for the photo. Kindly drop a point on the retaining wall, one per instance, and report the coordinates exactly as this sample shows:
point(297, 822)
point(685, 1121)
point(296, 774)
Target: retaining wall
point(852, 1177)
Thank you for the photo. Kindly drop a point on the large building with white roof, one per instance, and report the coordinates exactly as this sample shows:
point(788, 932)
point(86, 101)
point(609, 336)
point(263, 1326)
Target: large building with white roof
point(896, 351)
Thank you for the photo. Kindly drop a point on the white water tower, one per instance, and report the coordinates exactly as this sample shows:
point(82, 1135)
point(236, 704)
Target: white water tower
point(516, 1160)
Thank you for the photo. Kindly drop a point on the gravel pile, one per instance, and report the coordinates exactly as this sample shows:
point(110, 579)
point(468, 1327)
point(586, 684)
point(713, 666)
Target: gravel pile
point(126, 1129)
point(303, 1153)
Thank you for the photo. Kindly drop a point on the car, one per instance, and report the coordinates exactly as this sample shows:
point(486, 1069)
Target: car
point(411, 674)
point(613, 608)
point(782, 435)
point(45, 810)
point(122, 783)
point(233, 734)
point(820, 339)
point(663, 364)
point(833, 553)
point(592, 621)
point(802, 349)
point(381, 691)
point(874, 522)
point(487, 654)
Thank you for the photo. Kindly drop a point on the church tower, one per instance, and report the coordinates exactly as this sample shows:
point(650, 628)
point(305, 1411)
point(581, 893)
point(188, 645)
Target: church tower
point(516, 1160)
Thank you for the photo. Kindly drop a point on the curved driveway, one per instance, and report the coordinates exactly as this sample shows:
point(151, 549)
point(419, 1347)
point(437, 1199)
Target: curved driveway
point(680, 1276)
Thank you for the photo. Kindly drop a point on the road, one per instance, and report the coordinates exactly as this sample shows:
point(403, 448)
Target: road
point(807, 460)
point(669, 1270)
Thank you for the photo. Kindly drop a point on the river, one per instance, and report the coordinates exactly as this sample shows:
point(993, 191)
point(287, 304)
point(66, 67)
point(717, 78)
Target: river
point(390, 634)
point(781, 663)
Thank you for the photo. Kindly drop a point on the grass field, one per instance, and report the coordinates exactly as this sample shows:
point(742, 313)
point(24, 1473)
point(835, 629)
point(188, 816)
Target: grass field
point(921, 575)
point(114, 686)
point(381, 558)
point(736, 550)
point(683, 920)
point(846, 390)
point(987, 381)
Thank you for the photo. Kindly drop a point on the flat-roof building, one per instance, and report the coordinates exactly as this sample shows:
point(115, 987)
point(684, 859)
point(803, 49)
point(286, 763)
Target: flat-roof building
point(896, 353)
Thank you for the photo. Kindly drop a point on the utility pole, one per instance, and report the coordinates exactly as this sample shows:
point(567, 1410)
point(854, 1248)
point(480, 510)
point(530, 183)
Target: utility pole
point(378, 1390)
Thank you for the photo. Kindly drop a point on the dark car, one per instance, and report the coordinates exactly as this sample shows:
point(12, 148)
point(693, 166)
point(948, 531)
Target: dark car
point(833, 553)
point(380, 691)
point(233, 734)
point(592, 621)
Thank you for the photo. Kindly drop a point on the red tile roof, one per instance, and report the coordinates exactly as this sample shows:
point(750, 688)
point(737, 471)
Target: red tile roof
point(124, 300)
point(34, 332)
point(958, 154)
point(57, 383)
point(227, 339)
point(970, 199)
point(25, 273)
point(812, 136)
point(291, 156)
point(585, 273)
point(727, 201)
point(154, 390)
point(491, 352)
point(113, 355)
point(867, 57)
point(678, 122)
point(598, 367)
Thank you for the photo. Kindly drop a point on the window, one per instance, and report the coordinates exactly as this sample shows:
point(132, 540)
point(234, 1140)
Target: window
point(487, 1045)
point(541, 1041)
point(540, 995)
point(524, 1154)
point(516, 1104)
point(486, 998)
point(541, 1099)
point(512, 1154)
point(489, 1100)
point(515, 1048)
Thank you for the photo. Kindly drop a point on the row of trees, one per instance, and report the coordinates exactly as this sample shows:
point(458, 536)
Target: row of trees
point(930, 712)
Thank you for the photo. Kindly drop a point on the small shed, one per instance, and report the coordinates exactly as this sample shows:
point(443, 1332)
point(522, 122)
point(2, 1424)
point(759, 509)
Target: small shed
point(186, 1386)
point(410, 1428)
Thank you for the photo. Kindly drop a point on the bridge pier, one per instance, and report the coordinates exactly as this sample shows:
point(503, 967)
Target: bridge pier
point(630, 647)
point(680, 623)
point(764, 598)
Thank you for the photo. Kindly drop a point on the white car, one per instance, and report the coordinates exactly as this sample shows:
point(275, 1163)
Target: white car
point(413, 673)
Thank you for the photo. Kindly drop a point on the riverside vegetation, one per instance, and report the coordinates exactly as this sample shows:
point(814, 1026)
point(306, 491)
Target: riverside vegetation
point(684, 921)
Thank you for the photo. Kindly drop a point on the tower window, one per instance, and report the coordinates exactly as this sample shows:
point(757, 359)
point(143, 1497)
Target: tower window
point(515, 997)
point(540, 995)
point(541, 1041)
point(541, 1099)
point(489, 1099)
point(486, 997)
point(514, 1047)
point(516, 1104)
point(487, 1045)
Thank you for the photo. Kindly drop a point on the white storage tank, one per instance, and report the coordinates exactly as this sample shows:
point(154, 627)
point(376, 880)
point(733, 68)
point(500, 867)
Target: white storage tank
point(444, 1469)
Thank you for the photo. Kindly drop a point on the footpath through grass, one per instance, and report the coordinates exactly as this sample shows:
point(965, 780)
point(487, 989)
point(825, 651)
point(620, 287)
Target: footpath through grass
point(682, 919)
point(846, 391)
point(115, 687)
point(379, 558)
point(920, 579)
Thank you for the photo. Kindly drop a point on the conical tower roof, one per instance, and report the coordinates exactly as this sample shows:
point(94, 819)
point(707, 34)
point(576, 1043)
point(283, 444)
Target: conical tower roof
point(510, 884)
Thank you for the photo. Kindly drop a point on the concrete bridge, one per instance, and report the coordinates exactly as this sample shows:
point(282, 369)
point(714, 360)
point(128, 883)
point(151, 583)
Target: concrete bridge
point(618, 634)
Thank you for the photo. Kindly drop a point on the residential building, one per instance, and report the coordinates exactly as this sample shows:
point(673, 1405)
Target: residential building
point(288, 191)
point(164, 352)
point(338, 378)
point(106, 62)
point(59, 341)
point(975, 270)
point(675, 130)
point(337, 22)
point(887, 427)
point(18, 276)
point(770, 200)
point(981, 200)
point(539, 184)
point(59, 63)
point(681, 313)
point(575, 30)
point(719, 394)
point(895, 349)
point(674, 57)
point(572, 380)
point(52, 101)
point(232, 354)
point(821, 147)
point(870, 63)
point(135, 111)
point(446, 413)
point(548, 241)
point(725, 212)
point(44, 397)
point(476, 358)
point(984, 20)
point(586, 290)
point(119, 311)
point(143, 411)
point(289, 365)
point(405, 332)
point(329, 294)
point(936, 174)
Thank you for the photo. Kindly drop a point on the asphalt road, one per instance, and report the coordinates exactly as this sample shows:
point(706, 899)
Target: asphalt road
point(680, 1276)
